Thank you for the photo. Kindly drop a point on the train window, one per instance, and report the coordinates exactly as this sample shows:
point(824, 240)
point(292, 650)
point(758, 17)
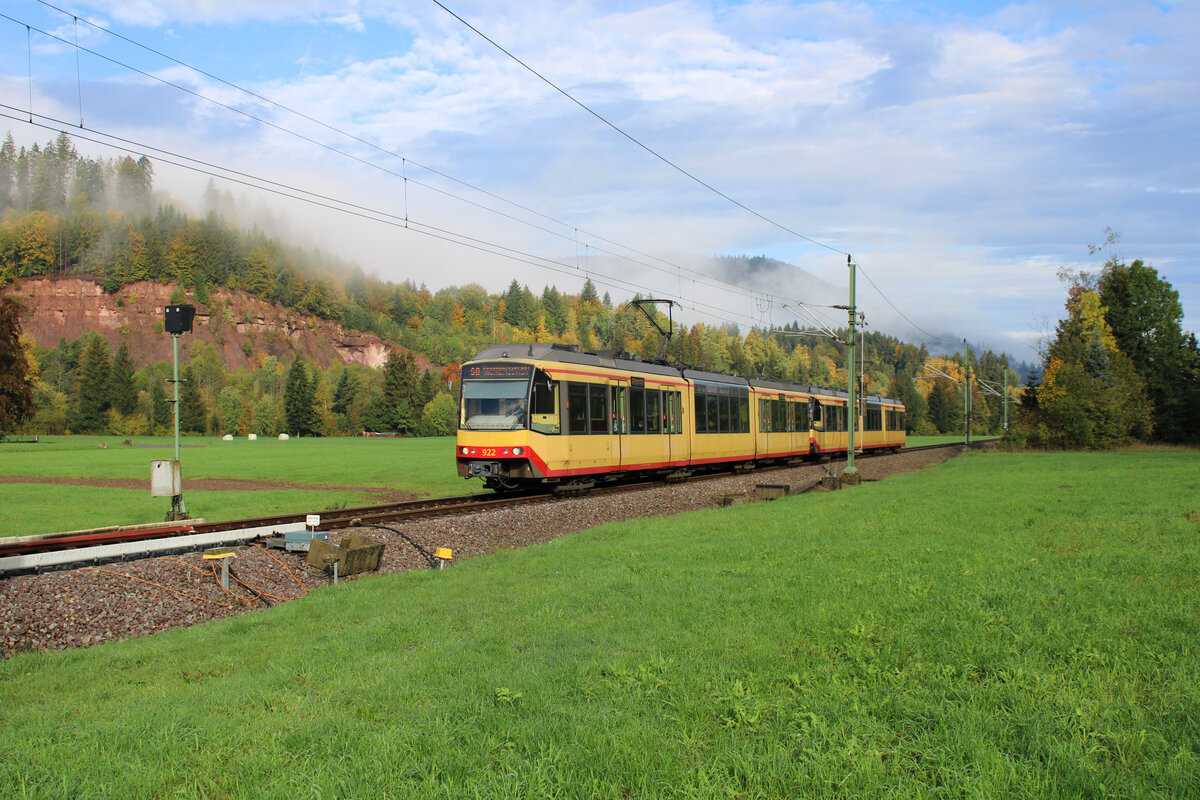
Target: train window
point(599, 409)
point(620, 416)
point(577, 404)
point(818, 419)
point(873, 419)
point(800, 417)
point(653, 411)
point(764, 415)
point(544, 412)
point(721, 408)
point(496, 405)
point(674, 412)
point(637, 410)
point(834, 417)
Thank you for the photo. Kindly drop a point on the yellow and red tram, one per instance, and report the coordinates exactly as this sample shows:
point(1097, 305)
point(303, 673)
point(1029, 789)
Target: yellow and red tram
point(547, 413)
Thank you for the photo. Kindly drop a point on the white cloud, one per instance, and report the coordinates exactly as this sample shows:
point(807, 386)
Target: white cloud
point(963, 152)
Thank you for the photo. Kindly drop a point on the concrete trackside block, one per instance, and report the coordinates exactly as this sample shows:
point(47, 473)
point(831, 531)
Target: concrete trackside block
point(771, 491)
point(356, 554)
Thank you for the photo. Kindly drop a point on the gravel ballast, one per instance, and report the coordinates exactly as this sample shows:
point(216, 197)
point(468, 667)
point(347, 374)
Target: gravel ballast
point(81, 607)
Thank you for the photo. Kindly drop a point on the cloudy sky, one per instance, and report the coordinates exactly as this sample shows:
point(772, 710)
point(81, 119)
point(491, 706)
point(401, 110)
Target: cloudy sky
point(961, 152)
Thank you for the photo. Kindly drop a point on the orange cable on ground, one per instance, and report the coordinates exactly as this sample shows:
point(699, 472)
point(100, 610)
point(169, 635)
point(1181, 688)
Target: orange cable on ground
point(160, 586)
point(303, 588)
point(212, 573)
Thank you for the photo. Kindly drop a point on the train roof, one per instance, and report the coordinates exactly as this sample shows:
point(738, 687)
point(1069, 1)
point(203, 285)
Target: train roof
point(714, 377)
point(784, 386)
point(571, 354)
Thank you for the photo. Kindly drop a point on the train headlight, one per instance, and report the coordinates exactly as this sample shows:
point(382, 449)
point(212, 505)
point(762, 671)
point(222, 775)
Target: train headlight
point(518, 451)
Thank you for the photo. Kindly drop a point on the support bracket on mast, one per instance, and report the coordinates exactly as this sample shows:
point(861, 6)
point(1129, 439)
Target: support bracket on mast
point(665, 335)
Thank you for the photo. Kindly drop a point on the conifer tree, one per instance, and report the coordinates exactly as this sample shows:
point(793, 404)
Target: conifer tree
point(124, 389)
point(588, 295)
point(939, 408)
point(344, 396)
point(299, 401)
point(95, 386)
point(192, 415)
point(1145, 315)
point(161, 414)
point(401, 391)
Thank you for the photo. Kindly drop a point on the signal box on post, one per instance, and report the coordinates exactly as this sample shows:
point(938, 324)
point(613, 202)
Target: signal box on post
point(179, 318)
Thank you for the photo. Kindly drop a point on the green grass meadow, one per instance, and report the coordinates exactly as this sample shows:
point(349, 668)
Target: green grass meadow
point(1001, 625)
point(422, 466)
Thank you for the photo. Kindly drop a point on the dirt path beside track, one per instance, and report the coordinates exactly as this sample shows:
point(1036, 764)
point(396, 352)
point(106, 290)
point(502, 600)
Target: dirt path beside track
point(379, 494)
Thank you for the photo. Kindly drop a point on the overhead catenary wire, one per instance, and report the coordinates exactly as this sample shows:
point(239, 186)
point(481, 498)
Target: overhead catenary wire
point(363, 212)
point(706, 279)
point(634, 139)
point(676, 167)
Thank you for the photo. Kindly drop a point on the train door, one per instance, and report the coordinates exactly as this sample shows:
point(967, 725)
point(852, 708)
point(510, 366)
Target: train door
point(765, 444)
point(678, 451)
point(643, 444)
point(658, 445)
point(591, 446)
point(619, 409)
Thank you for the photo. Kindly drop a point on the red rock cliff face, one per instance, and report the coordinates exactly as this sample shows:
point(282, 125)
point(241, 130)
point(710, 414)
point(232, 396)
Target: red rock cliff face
point(242, 328)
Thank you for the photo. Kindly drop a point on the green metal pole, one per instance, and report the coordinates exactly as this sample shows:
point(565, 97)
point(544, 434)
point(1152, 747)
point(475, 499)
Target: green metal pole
point(175, 345)
point(966, 395)
point(178, 509)
point(1004, 370)
point(852, 379)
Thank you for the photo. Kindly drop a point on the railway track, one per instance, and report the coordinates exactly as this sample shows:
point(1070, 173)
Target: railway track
point(29, 553)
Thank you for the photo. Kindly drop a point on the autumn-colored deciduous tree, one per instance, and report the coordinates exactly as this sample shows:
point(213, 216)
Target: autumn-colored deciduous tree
point(16, 390)
point(1091, 396)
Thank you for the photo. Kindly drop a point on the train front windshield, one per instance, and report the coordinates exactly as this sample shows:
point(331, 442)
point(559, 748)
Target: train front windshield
point(495, 397)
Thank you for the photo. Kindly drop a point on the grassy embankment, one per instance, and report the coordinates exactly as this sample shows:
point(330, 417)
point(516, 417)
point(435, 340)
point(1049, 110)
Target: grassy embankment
point(424, 467)
point(1003, 625)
